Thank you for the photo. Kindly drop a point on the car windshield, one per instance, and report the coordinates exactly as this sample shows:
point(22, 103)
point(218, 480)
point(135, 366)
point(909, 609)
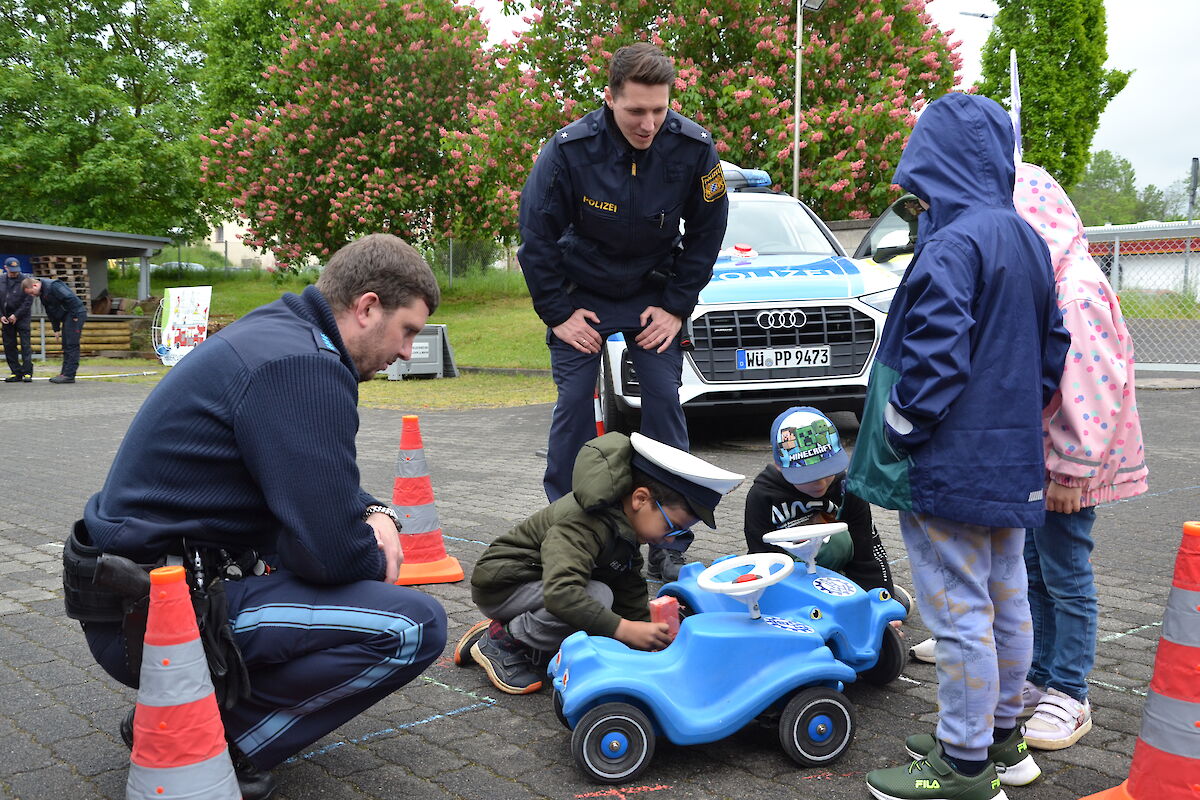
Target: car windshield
point(772, 227)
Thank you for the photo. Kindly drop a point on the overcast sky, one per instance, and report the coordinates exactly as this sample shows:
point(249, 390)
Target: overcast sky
point(1154, 122)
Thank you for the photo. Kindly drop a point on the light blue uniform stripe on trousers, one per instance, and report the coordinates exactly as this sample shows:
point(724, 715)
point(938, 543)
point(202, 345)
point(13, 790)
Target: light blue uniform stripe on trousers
point(327, 618)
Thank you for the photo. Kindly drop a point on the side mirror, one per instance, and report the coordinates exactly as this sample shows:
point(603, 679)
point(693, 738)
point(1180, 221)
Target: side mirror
point(892, 244)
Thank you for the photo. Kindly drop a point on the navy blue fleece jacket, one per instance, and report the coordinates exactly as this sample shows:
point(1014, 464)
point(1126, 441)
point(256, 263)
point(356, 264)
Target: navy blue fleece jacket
point(59, 302)
point(249, 443)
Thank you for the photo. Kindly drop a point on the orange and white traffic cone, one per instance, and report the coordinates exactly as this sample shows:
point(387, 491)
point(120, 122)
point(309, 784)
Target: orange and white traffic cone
point(425, 558)
point(179, 748)
point(598, 412)
point(1166, 758)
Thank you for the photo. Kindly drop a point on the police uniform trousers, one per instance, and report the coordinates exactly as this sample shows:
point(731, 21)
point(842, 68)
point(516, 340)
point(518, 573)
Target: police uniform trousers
point(72, 332)
point(574, 421)
point(20, 361)
point(318, 655)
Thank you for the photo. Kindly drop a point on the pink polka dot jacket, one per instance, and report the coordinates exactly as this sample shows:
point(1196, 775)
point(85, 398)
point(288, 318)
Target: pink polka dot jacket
point(1092, 433)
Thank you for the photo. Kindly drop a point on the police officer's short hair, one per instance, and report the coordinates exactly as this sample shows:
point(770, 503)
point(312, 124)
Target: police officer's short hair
point(379, 263)
point(640, 63)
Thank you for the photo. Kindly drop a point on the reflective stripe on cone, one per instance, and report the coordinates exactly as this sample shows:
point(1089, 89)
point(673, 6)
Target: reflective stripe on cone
point(425, 558)
point(179, 748)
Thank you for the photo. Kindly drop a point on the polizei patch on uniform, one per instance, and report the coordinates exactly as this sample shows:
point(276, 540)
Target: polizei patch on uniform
point(713, 184)
point(601, 205)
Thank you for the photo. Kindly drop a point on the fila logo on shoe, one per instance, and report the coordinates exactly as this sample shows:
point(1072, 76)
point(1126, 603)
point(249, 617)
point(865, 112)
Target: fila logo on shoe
point(921, 783)
point(1021, 746)
point(996, 785)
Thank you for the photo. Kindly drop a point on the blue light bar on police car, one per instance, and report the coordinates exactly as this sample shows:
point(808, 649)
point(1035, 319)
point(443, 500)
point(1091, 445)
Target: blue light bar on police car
point(741, 178)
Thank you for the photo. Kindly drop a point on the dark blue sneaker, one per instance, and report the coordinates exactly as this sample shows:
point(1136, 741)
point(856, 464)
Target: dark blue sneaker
point(511, 665)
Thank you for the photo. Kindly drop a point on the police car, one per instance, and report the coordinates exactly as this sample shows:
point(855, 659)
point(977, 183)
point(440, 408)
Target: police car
point(786, 319)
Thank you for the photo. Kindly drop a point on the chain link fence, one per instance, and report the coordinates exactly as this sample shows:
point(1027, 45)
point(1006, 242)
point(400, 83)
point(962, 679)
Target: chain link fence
point(1155, 270)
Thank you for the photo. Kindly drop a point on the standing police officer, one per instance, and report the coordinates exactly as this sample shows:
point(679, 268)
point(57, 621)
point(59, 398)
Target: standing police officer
point(15, 306)
point(602, 251)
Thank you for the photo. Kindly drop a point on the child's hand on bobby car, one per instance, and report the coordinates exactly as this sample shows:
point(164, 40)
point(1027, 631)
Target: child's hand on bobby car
point(643, 635)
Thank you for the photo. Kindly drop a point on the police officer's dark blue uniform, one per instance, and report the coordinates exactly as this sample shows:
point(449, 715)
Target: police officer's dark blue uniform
point(600, 224)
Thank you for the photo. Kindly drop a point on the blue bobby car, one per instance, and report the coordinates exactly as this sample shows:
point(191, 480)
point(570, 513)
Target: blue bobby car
point(851, 621)
point(722, 671)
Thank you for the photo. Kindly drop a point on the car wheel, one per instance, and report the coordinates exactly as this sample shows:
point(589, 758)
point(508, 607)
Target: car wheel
point(817, 726)
point(610, 412)
point(558, 711)
point(613, 743)
point(893, 658)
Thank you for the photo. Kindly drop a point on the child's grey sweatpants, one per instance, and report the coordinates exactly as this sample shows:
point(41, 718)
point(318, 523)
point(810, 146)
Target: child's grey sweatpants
point(971, 591)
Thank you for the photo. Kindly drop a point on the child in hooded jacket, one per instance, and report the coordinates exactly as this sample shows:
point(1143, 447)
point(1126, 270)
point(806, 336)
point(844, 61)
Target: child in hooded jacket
point(1094, 455)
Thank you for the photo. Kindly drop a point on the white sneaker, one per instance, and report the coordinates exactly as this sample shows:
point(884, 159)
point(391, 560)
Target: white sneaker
point(1059, 722)
point(1031, 695)
point(925, 651)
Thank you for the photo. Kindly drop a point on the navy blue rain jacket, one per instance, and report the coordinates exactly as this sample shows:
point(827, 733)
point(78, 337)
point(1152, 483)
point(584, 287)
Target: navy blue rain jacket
point(600, 215)
point(974, 344)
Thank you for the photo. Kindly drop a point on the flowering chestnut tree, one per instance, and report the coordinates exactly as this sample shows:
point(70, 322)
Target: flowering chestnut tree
point(868, 66)
point(353, 145)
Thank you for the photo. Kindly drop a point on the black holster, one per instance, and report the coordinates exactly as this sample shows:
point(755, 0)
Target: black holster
point(102, 587)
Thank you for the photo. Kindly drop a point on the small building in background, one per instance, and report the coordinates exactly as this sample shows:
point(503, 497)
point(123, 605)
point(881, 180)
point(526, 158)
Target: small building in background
point(226, 238)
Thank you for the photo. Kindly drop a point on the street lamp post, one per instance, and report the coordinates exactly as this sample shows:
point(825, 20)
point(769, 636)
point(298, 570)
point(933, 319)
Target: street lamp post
point(811, 5)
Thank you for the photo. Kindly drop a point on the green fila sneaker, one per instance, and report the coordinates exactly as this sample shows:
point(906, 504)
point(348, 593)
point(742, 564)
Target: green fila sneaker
point(1014, 763)
point(931, 778)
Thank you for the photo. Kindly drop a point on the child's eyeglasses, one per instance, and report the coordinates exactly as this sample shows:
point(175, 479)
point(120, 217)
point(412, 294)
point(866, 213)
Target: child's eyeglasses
point(672, 529)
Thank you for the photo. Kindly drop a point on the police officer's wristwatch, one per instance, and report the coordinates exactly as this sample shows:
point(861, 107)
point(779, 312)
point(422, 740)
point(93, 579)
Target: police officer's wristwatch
point(382, 510)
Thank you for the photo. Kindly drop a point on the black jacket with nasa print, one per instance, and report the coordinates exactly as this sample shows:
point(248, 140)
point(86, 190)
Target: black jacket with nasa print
point(603, 216)
point(773, 504)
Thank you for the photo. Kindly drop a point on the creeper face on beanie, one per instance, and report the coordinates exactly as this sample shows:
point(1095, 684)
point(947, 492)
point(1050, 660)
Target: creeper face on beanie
point(806, 446)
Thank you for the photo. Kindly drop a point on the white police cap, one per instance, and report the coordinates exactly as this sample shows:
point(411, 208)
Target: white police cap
point(702, 484)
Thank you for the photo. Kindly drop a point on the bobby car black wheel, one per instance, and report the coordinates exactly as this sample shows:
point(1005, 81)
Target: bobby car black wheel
point(817, 726)
point(558, 711)
point(893, 658)
point(613, 743)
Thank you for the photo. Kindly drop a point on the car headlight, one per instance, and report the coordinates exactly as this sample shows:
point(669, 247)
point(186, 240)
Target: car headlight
point(880, 301)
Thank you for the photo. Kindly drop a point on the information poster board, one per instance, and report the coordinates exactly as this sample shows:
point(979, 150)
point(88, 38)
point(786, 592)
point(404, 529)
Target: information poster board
point(183, 322)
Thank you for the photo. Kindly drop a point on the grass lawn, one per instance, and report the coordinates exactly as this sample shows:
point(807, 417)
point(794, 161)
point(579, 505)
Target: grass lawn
point(490, 324)
point(1158, 305)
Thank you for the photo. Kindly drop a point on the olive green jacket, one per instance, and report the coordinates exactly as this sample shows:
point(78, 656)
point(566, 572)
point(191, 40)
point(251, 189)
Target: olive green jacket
point(581, 537)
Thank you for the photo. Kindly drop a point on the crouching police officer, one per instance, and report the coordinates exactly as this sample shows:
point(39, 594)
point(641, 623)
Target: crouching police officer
point(602, 253)
point(243, 458)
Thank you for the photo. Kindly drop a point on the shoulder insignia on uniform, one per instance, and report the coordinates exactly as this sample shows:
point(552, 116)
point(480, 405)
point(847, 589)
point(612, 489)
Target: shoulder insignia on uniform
point(579, 129)
point(713, 184)
point(691, 129)
point(324, 342)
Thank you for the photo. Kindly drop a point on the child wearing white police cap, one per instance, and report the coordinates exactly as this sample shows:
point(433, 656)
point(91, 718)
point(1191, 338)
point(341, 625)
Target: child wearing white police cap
point(805, 484)
point(576, 564)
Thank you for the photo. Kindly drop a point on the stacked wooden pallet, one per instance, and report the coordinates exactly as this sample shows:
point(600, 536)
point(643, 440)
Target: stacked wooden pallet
point(71, 270)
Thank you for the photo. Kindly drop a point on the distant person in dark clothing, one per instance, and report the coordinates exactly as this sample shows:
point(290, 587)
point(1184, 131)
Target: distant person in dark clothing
point(14, 317)
point(63, 308)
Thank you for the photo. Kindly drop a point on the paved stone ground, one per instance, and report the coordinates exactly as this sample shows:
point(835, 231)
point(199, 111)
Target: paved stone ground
point(449, 734)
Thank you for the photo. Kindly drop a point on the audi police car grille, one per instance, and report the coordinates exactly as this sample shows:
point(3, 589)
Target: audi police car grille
point(718, 335)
